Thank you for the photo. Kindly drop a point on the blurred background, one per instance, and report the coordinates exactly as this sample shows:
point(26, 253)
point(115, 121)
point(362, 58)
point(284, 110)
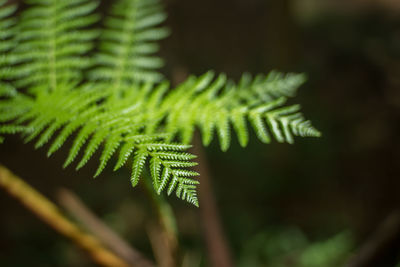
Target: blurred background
point(319, 202)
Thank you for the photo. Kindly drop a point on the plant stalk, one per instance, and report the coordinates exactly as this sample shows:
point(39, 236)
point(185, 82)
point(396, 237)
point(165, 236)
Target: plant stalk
point(49, 213)
point(217, 245)
point(164, 235)
point(96, 226)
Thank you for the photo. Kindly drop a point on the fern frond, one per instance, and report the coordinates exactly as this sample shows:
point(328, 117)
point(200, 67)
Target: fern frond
point(120, 109)
point(264, 88)
point(216, 105)
point(128, 42)
point(7, 23)
point(172, 172)
point(97, 123)
point(12, 104)
point(53, 41)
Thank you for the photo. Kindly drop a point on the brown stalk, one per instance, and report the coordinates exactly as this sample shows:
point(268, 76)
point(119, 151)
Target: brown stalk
point(217, 245)
point(49, 213)
point(92, 223)
point(385, 237)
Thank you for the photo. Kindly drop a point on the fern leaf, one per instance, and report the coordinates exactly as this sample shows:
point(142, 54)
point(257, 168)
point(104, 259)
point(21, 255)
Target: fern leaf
point(155, 169)
point(69, 129)
point(172, 184)
point(93, 145)
point(203, 81)
point(43, 60)
point(259, 127)
point(207, 125)
point(179, 164)
point(174, 156)
point(137, 166)
point(47, 134)
point(79, 141)
point(163, 181)
point(127, 42)
point(52, 44)
point(110, 147)
point(223, 130)
point(186, 173)
point(167, 147)
point(208, 105)
point(187, 191)
point(172, 164)
point(126, 151)
point(7, 43)
point(265, 88)
point(64, 134)
point(239, 122)
point(275, 128)
point(11, 129)
point(37, 125)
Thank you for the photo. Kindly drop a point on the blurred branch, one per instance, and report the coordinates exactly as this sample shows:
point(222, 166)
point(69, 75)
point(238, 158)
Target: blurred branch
point(164, 240)
point(380, 241)
point(45, 210)
point(217, 246)
point(113, 241)
point(161, 246)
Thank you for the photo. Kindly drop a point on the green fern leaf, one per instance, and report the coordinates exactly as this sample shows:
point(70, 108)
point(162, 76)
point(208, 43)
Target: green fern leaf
point(11, 129)
point(239, 122)
point(110, 147)
point(167, 147)
point(127, 42)
point(174, 156)
point(7, 43)
point(45, 94)
point(79, 141)
point(93, 145)
point(126, 151)
point(223, 130)
point(155, 169)
point(47, 134)
point(52, 43)
point(172, 184)
point(137, 166)
point(259, 127)
point(179, 164)
point(187, 191)
point(163, 181)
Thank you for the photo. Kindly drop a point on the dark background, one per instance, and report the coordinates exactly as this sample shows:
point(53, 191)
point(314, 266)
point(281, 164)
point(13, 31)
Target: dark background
point(348, 180)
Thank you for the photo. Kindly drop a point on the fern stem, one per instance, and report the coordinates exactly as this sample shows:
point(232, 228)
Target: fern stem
point(45, 210)
point(167, 221)
point(217, 245)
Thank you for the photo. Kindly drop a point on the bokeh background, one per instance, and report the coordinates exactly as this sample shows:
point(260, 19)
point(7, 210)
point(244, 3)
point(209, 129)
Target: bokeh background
point(315, 203)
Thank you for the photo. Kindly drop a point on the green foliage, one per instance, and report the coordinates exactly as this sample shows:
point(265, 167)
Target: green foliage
point(53, 41)
point(55, 84)
point(217, 105)
point(290, 247)
point(128, 41)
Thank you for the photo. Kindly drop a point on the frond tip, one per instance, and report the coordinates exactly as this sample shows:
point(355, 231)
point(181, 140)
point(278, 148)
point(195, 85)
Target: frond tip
point(165, 171)
point(216, 106)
